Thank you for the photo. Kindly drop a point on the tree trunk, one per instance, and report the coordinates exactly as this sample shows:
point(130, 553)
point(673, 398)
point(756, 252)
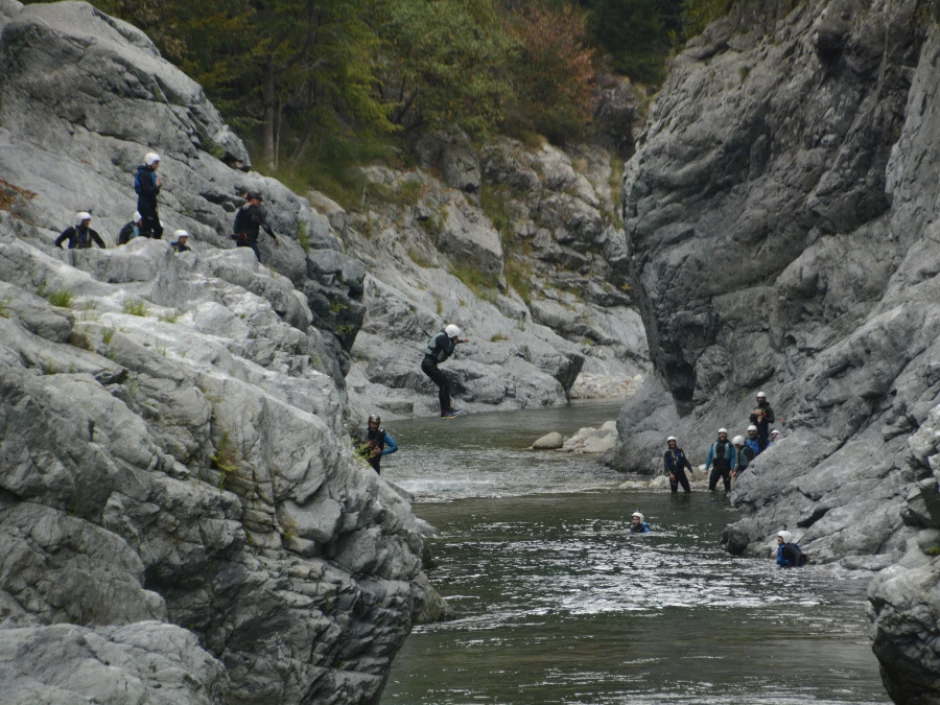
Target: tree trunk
point(269, 117)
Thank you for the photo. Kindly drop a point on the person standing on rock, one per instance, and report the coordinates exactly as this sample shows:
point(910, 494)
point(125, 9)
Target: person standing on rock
point(179, 245)
point(638, 525)
point(752, 441)
point(721, 460)
point(80, 235)
point(249, 222)
point(762, 417)
point(439, 348)
point(147, 185)
point(130, 230)
point(378, 443)
point(676, 462)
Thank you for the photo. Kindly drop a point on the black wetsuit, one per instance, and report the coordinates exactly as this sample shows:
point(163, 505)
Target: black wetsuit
point(180, 247)
point(377, 440)
point(249, 222)
point(145, 183)
point(763, 422)
point(128, 233)
point(439, 348)
point(79, 238)
point(676, 463)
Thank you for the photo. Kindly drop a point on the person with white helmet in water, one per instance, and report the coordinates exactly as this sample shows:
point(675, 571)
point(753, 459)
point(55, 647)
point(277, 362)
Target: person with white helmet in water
point(763, 417)
point(130, 229)
point(789, 553)
point(147, 185)
point(638, 525)
point(745, 454)
point(721, 459)
point(80, 235)
point(676, 462)
point(439, 348)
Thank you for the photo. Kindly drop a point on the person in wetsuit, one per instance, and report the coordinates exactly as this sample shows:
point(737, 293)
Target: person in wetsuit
point(179, 245)
point(147, 185)
point(789, 554)
point(676, 461)
point(131, 229)
point(638, 525)
point(439, 348)
point(249, 222)
point(378, 443)
point(763, 417)
point(80, 236)
point(721, 460)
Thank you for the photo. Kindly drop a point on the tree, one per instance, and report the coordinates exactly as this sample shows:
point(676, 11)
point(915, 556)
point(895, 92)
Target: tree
point(632, 32)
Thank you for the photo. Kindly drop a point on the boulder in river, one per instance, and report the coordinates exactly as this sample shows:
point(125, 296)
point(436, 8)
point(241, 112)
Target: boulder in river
point(550, 441)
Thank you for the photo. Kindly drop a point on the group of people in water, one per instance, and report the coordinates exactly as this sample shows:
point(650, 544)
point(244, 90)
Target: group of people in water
point(726, 459)
point(249, 219)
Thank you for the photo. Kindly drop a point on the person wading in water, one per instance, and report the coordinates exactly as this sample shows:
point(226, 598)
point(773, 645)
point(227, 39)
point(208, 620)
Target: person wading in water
point(378, 443)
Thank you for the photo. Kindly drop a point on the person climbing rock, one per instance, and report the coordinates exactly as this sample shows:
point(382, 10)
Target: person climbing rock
point(131, 229)
point(249, 222)
point(676, 462)
point(774, 437)
point(762, 417)
point(439, 348)
point(180, 244)
point(789, 554)
point(638, 525)
point(80, 235)
point(745, 454)
point(147, 185)
point(721, 457)
point(752, 442)
point(378, 443)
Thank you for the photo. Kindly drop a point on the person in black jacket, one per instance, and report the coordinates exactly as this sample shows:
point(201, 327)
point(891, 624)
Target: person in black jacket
point(439, 348)
point(147, 185)
point(378, 443)
point(762, 417)
point(676, 462)
point(80, 235)
point(179, 245)
point(130, 230)
point(249, 222)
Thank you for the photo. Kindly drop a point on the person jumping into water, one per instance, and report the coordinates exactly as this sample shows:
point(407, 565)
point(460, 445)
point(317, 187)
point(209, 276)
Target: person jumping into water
point(439, 348)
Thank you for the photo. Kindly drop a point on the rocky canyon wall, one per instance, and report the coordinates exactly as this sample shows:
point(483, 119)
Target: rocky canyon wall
point(781, 220)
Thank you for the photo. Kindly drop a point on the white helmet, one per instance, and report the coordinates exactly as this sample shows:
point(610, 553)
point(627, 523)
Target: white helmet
point(180, 233)
point(638, 514)
point(723, 430)
point(737, 441)
point(82, 217)
point(137, 217)
point(672, 438)
point(786, 536)
point(761, 395)
point(774, 433)
point(752, 427)
point(150, 158)
point(452, 331)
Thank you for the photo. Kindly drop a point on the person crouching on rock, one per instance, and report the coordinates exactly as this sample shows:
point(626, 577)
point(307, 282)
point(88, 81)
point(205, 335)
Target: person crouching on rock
point(676, 462)
point(131, 229)
point(80, 235)
point(378, 443)
point(147, 185)
point(637, 525)
point(721, 457)
point(762, 417)
point(752, 442)
point(439, 348)
point(249, 222)
point(179, 245)
point(789, 554)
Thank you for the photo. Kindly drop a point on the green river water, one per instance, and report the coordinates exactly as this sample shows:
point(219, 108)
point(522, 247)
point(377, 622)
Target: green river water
point(556, 601)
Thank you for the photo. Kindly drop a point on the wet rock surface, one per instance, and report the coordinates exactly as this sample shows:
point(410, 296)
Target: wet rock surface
point(779, 220)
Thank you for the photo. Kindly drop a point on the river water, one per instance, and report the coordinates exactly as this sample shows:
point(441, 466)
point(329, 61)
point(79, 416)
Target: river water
point(557, 602)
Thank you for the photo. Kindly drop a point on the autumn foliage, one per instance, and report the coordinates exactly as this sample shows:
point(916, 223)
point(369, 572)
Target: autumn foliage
point(553, 74)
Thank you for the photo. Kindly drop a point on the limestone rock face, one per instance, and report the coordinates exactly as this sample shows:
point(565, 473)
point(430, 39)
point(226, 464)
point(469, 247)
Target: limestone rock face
point(779, 221)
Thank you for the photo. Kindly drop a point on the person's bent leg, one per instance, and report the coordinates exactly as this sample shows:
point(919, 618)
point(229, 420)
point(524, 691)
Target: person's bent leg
point(713, 478)
point(674, 485)
point(684, 481)
point(726, 477)
point(438, 377)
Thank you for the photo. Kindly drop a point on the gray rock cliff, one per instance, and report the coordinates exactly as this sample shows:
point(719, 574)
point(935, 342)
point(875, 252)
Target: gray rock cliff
point(780, 216)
